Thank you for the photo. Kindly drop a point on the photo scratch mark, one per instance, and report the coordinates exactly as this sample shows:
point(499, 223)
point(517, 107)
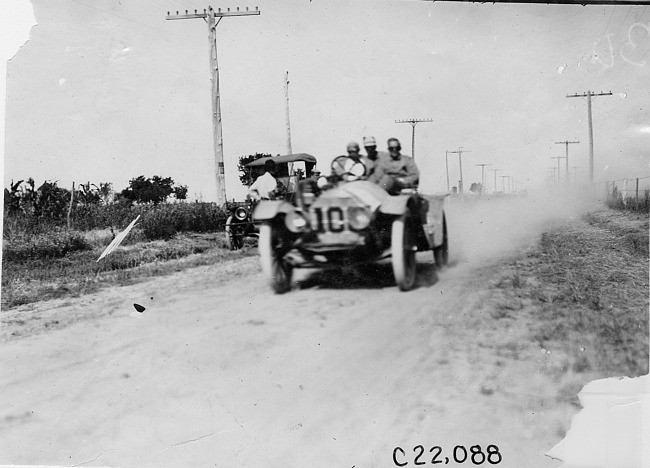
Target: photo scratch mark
point(195, 440)
point(90, 461)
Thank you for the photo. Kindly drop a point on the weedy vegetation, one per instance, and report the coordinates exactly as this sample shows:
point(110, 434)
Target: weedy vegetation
point(639, 203)
point(32, 274)
point(585, 287)
point(50, 246)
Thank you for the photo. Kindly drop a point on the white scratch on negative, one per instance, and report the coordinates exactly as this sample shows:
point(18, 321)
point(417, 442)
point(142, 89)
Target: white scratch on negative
point(204, 436)
point(89, 461)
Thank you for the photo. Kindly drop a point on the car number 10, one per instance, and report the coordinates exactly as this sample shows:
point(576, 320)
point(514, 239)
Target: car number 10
point(334, 218)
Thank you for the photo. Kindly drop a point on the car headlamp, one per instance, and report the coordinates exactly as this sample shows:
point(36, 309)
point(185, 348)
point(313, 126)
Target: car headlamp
point(241, 213)
point(359, 217)
point(295, 222)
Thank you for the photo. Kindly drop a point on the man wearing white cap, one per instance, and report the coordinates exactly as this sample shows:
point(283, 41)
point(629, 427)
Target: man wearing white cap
point(370, 144)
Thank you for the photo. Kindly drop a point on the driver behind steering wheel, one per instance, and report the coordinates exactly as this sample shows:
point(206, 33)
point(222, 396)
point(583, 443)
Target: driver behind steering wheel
point(397, 172)
point(354, 150)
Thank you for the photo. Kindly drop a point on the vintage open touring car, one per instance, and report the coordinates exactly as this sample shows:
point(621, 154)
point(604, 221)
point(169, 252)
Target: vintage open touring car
point(346, 220)
point(290, 169)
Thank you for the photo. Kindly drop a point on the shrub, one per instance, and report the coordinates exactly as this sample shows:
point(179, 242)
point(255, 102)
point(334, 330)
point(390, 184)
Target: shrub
point(53, 244)
point(114, 215)
point(616, 201)
point(164, 221)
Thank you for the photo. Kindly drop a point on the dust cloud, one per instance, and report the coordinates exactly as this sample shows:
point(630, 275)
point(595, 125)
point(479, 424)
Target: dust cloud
point(482, 230)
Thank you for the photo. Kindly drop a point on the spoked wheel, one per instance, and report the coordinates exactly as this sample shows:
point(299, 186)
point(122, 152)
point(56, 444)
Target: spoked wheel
point(441, 253)
point(276, 270)
point(403, 253)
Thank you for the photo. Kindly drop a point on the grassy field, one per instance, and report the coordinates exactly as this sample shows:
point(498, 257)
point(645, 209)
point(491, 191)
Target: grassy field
point(43, 269)
point(582, 293)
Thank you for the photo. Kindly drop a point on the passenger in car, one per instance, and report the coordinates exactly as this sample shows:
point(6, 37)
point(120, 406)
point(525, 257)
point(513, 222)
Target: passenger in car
point(396, 172)
point(370, 144)
point(266, 185)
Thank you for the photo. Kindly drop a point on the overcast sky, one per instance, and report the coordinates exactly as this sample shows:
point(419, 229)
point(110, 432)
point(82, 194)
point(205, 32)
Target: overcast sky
point(105, 91)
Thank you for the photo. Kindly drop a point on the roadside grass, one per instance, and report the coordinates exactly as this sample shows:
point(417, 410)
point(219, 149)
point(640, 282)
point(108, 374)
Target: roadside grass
point(583, 292)
point(27, 279)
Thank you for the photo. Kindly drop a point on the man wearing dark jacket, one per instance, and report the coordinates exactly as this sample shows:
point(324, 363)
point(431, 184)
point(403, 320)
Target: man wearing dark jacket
point(396, 172)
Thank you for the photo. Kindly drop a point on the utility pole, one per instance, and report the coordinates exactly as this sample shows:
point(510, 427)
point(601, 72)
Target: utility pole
point(447, 168)
point(575, 176)
point(289, 150)
point(554, 169)
point(566, 143)
point(482, 176)
point(460, 152)
point(209, 16)
point(495, 177)
point(413, 123)
point(589, 95)
point(558, 167)
point(286, 93)
point(503, 187)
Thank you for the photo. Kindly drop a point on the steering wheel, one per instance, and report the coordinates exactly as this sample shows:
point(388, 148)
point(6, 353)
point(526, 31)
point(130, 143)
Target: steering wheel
point(345, 167)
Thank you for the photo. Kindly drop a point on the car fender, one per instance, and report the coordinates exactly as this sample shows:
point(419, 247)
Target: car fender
point(395, 205)
point(269, 209)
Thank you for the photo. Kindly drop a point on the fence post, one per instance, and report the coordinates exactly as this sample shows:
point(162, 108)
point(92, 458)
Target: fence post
point(70, 207)
point(637, 191)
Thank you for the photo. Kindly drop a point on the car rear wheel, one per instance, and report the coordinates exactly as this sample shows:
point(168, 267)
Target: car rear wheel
point(403, 254)
point(277, 271)
point(441, 253)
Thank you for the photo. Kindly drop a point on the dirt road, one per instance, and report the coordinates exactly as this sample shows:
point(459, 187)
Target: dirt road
point(218, 371)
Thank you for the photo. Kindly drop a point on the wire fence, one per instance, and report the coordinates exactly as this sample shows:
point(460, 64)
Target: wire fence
point(628, 194)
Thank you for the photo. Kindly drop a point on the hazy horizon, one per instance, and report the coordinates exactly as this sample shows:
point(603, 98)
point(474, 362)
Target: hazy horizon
point(107, 91)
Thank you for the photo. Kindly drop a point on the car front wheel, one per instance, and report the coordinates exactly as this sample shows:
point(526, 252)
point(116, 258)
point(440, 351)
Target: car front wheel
point(441, 253)
point(403, 254)
point(277, 271)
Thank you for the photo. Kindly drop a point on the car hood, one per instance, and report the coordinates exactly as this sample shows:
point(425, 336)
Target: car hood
point(362, 191)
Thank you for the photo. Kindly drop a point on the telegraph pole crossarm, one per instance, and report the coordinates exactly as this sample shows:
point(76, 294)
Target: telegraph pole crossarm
point(209, 16)
point(213, 13)
point(558, 166)
point(413, 123)
point(566, 143)
point(589, 95)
